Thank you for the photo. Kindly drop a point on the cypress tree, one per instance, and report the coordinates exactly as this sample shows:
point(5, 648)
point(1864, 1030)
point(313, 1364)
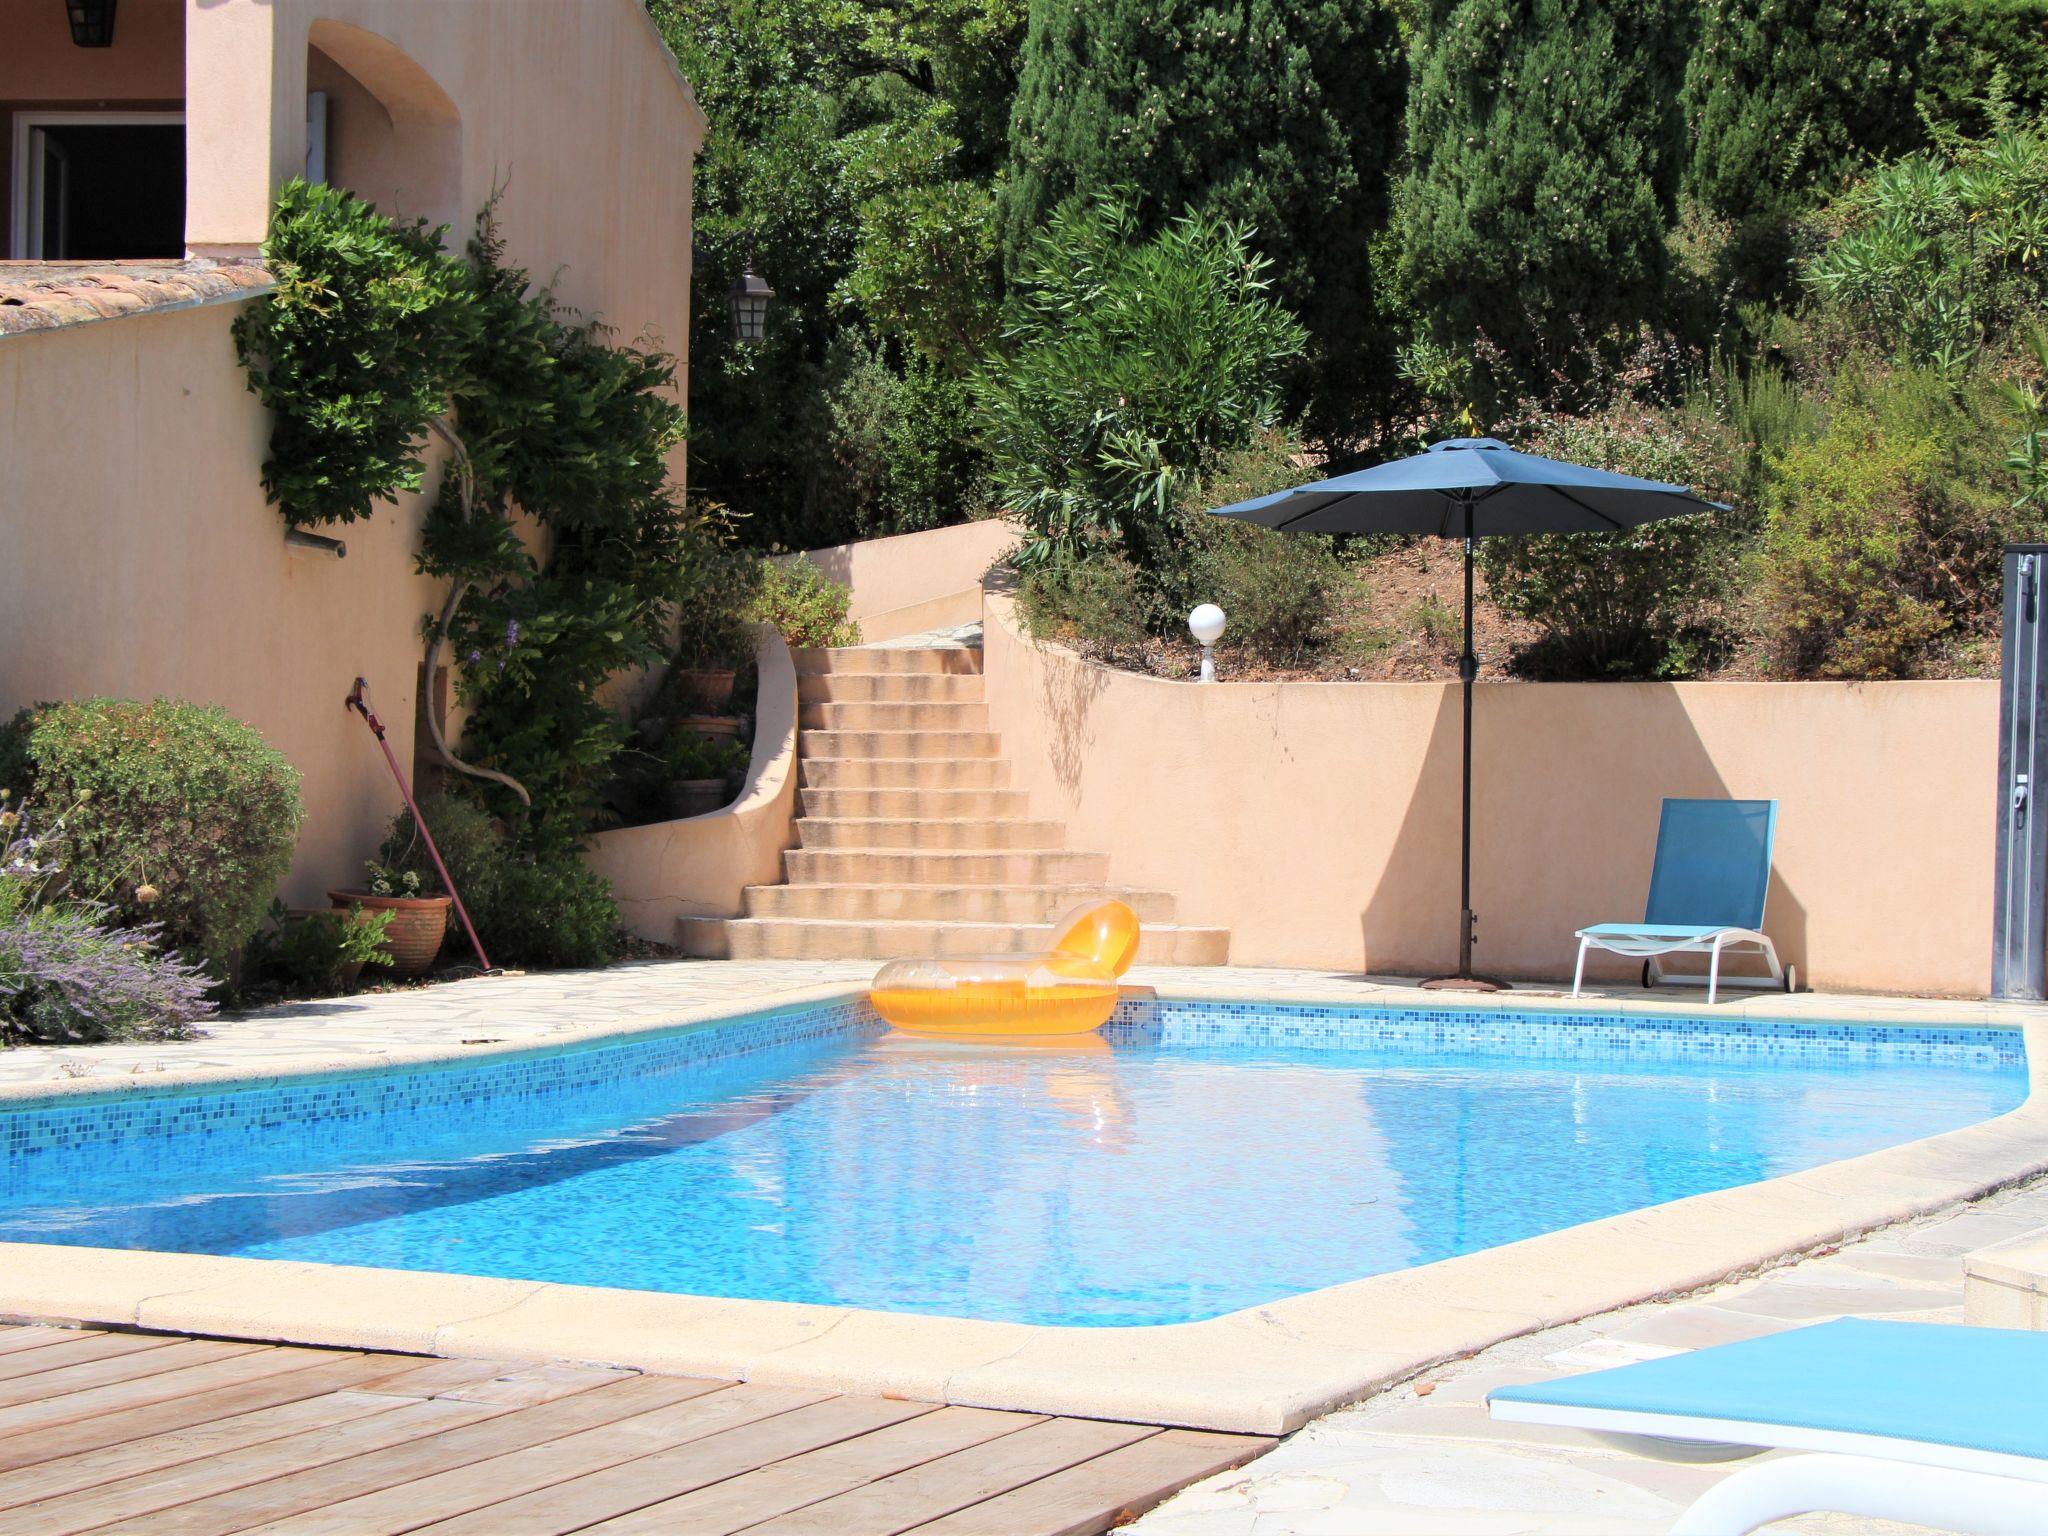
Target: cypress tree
point(1783, 96)
point(1283, 115)
point(1544, 139)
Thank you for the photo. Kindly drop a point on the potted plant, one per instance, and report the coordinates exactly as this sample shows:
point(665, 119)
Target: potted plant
point(419, 918)
point(699, 773)
point(712, 633)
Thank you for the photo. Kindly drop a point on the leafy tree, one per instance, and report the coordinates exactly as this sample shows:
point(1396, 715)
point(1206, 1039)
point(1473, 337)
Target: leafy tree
point(1986, 64)
point(1281, 116)
point(1543, 143)
point(1134, 364)
point(851, 163)
point(1782, 96)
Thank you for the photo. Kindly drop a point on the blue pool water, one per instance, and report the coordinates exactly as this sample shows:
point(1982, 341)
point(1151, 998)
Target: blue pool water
point(1198, 1159)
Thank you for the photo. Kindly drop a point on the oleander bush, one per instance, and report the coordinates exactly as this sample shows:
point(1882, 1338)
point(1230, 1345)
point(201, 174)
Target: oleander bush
point(175, 815)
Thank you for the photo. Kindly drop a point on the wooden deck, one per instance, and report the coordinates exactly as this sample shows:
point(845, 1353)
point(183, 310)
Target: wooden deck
point(169, 1436)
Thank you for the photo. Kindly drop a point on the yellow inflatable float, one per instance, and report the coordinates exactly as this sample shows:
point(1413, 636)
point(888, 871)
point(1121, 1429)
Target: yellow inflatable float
point(1068, 989)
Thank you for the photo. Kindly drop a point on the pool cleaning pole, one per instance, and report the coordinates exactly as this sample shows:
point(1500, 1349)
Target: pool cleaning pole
point(359, 700)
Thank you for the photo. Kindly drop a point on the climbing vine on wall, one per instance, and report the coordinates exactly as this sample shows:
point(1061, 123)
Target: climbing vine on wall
point(376, 336)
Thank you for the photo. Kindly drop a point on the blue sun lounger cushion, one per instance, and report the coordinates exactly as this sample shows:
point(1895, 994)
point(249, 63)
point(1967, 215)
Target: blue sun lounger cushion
point(1921, 1423)
point(1943, 1395)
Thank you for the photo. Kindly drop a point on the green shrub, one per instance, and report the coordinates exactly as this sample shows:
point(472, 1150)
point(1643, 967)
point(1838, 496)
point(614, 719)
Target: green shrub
point(1635, 604)
point(1845, 560)
point(175, 814)
point(807, 607)
point(1099, 604)
point(310, 954)
point(1278, 591)
point(542, 908)
point(715, 585)
point(1985, 58)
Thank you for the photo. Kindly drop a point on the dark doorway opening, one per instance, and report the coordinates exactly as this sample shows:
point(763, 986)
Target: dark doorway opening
point(106, 191)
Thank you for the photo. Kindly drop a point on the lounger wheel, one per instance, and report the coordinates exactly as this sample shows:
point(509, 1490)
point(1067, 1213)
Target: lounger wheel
point(1791, 978)
point(1649, 980)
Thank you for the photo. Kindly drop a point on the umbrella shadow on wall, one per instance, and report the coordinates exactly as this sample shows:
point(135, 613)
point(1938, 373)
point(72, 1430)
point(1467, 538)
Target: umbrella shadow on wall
point(1569, 780)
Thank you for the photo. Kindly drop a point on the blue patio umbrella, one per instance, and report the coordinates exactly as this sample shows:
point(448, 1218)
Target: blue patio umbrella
point(1470, 488)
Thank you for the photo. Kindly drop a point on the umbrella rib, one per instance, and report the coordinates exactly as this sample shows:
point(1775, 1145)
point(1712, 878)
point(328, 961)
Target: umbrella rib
point(1568, 496)
point(1311, 512)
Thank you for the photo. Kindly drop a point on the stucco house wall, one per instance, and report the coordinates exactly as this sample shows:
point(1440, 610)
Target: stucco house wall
point(1319, 821)
point(140, 556)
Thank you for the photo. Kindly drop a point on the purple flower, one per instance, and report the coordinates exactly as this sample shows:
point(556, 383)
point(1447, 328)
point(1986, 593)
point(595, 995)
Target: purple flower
point(66, 975)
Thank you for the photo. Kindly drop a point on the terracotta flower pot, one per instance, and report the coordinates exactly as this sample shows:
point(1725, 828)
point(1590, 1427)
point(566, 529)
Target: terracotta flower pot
point(705, 688)
point(693, 797)
point(710, 725)
point(418, 924)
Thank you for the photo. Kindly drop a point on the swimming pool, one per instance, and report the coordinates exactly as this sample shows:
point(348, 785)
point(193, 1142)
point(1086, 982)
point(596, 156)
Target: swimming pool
point(1200, 1158)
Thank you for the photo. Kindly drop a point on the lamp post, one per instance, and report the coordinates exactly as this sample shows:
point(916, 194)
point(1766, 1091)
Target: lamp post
point(1206, 625)
point(748, 298)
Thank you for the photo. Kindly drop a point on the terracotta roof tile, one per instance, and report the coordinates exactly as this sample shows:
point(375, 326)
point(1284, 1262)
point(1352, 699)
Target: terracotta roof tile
point(43, 295)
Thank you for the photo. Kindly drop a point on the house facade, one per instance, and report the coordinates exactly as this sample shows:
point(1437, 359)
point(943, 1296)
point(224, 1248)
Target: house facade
point(145, 142)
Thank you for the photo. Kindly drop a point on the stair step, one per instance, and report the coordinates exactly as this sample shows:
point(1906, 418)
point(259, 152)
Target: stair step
point(930, 804)
point(895, 715)
point(889, 687)
point(918, 832)
point(903, 866)
point(905, 773)
point(866, 660)
point(897, 744)
point(782, 938)
point(948, 904)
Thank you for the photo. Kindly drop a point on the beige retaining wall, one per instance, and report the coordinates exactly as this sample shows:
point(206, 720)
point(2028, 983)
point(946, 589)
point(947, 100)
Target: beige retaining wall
point(1319, 821)
point(700, 866)
point(915, 581)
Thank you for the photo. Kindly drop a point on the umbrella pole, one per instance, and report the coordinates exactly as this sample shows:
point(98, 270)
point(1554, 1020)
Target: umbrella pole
point(1468, 670)
point(1468, 920)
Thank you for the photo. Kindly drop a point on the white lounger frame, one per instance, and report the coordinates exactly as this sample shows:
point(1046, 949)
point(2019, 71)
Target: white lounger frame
point(1649, 943)
point(1983, 1493)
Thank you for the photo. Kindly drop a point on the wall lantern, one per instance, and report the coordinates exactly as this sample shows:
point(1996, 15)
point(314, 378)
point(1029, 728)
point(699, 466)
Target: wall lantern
point(92, 22)
point(1206, 625)
point(748, 297)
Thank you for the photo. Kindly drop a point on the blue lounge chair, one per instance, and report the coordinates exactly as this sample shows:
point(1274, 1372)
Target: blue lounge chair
point(1927, 1423)
point(1707, 892)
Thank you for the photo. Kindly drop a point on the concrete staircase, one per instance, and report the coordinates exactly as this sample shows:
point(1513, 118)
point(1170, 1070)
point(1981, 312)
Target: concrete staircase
point(909, 839)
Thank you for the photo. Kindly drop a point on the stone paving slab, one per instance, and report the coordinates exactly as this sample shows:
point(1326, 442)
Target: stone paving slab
point(1425, 1459)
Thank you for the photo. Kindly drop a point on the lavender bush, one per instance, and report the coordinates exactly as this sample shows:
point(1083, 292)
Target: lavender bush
point(66, 973)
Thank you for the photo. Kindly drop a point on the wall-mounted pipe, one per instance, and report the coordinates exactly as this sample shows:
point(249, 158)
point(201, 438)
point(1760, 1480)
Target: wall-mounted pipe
point(315, 543)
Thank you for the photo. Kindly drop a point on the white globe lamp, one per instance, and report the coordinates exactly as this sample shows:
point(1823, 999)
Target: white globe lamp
point(1206, 625)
